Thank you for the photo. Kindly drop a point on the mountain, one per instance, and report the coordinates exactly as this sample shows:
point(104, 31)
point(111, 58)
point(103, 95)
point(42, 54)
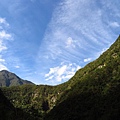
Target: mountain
point(36, 100)
point(8, 79)
point(93, 93)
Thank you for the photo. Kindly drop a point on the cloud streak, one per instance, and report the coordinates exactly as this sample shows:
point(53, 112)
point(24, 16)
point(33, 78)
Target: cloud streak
point(77, 33)
point(4, 36)
point(4, 22)
point(79, 30)
point(114, 24)
point(61, 73)
point(87, 60)
point(2, 64)
point(85, 27)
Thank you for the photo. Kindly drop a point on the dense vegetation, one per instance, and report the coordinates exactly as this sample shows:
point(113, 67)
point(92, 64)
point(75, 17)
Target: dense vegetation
point(9, 112)
point(6, 108)
point(92, 94)
point(32, 99)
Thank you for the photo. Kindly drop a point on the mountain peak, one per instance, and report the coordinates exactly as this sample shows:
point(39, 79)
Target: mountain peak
point(10, 79)
point(4, 71)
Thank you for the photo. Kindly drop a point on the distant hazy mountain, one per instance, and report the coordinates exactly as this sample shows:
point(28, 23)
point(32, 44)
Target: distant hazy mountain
point(8, 79)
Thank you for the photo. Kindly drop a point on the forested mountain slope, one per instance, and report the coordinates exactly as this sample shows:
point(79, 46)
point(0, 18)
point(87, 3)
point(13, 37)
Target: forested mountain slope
point(93, 93)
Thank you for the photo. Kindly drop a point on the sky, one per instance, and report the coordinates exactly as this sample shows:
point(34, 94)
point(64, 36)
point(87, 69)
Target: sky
point(47, 41)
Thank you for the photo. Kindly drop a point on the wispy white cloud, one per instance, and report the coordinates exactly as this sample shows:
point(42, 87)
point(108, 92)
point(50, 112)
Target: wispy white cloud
point(2, 60)
point(114, 24)
point(3, 67)
point(78, 29)
point(2, 64)
point(2, 47)
point(3, 37)
point(3, 21)
point(70, 43)
point(61, 73)
point(17, 66)
point(87, 59)
point(76, 26)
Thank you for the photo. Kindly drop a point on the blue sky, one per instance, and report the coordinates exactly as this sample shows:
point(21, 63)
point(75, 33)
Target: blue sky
point(47, 41)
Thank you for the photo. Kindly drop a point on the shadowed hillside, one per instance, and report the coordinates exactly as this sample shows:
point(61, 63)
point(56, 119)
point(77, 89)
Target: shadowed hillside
point(6, 108)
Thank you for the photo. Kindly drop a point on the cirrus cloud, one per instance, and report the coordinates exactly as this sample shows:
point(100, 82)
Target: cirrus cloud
point(87, 59)
point(114, 24)
point(78, 32)
point(3, 21)
point(3, 37)
point(61, 73)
